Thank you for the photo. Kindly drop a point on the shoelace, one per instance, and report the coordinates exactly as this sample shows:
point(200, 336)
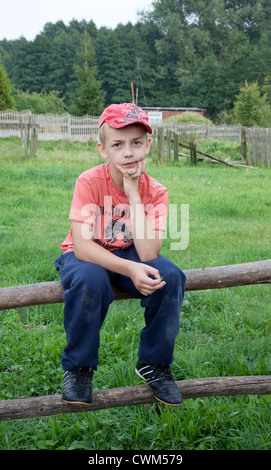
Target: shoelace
point(158, 372)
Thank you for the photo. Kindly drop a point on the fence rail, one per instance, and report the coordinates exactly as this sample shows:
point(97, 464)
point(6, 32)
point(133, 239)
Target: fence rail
point(36, 407)
point(55, 127)
point(256, 272)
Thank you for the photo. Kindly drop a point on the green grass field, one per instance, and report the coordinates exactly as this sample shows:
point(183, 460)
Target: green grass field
point(223, 332)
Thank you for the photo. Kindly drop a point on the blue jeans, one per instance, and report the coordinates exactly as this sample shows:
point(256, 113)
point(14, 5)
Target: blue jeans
point(88, 294)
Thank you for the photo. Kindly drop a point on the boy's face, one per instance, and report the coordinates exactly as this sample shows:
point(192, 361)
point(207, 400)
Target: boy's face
point(124, 147)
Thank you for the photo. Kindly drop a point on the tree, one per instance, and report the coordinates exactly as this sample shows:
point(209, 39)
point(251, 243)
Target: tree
point(18, 64)
point(266, 88)
point(190, 53)
point(6, 101)
point(250, 108)
point(111, 65)
point(38, 68)
point(55, 104)
point(87, 96)
point(202, 90)
point(62, 76)
point(170, 19)
point(133, 65)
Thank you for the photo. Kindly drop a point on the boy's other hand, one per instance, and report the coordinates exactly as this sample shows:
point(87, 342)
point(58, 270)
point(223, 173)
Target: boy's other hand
point(146, 285)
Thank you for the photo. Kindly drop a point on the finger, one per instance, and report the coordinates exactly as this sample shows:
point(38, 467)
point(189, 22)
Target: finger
point(142, 165)
point(122, 170)
point(154, 272)
point(149, 290)
point(153, 284)
point(137, 170)
point(125, 171)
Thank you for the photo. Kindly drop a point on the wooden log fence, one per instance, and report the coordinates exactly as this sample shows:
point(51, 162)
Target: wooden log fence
point(258, 272)
point(163, 140)
point(134, 395)
point(255, 148)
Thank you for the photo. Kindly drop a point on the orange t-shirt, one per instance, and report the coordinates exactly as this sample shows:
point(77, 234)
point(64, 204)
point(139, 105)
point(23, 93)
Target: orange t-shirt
point(98, 202)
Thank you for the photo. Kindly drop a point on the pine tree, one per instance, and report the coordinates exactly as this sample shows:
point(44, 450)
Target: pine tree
point(250, 108)
point(6, 101)
point(87, 98)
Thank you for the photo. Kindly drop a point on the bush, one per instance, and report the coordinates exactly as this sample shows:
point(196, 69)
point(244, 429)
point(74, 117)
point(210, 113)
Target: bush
point(6, 101)
point(188, 116)
point(250, 108)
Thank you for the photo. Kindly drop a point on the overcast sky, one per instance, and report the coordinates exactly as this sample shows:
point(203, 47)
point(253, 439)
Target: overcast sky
point(27, 17)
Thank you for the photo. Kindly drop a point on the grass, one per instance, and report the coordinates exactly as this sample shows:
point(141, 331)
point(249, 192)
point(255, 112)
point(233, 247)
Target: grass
point(223, 332)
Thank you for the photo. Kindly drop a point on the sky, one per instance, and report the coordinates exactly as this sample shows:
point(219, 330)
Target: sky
point(27, 17)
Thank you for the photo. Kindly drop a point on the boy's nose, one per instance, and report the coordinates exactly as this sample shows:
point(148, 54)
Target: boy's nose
point(128, 151)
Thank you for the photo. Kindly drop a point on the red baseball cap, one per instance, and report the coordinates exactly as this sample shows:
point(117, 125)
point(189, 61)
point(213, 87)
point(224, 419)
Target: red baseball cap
point(125, 114)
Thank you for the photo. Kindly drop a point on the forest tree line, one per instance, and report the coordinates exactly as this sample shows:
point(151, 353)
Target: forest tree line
point(180, 53)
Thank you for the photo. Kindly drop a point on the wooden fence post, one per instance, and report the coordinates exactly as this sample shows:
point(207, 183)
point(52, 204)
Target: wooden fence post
point(26, 135)
point(161, 145)
point(193, 153)
point(154, 135)
point(244, 144)
point(168, 145)
point(176, 146)
point(34, 140)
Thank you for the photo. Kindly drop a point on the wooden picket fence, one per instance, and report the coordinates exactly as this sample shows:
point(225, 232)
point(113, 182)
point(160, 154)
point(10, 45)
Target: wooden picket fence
point(255, 141)
point(49, 126)
point(167, 145)
point(258, 146)
point(204, 131)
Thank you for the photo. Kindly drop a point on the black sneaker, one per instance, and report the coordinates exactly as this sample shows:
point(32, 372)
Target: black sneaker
point(161, 381)
point(77, 386)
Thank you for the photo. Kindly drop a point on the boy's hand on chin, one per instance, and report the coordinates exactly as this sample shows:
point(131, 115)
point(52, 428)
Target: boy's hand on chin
point(131, 176)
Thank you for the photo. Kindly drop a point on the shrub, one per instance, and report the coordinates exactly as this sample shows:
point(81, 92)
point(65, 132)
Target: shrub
point(188, 116)
point(250, 108)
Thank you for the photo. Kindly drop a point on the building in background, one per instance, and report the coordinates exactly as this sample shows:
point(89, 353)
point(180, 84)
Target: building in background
point(158, 114)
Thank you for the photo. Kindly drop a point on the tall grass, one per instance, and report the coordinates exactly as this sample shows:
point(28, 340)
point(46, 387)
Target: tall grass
point(223, 332)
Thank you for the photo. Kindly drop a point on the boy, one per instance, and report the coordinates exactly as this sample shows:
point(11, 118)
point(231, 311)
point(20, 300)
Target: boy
point(118, 216)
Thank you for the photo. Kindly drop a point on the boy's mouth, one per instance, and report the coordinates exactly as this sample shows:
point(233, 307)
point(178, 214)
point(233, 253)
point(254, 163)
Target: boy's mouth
point(129, 164)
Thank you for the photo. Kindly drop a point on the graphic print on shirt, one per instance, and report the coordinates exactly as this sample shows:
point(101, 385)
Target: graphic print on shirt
point(98, 203)
point(117, 227)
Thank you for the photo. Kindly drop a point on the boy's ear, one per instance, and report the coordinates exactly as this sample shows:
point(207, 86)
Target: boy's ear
point(101, 150)
point(148, 145)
